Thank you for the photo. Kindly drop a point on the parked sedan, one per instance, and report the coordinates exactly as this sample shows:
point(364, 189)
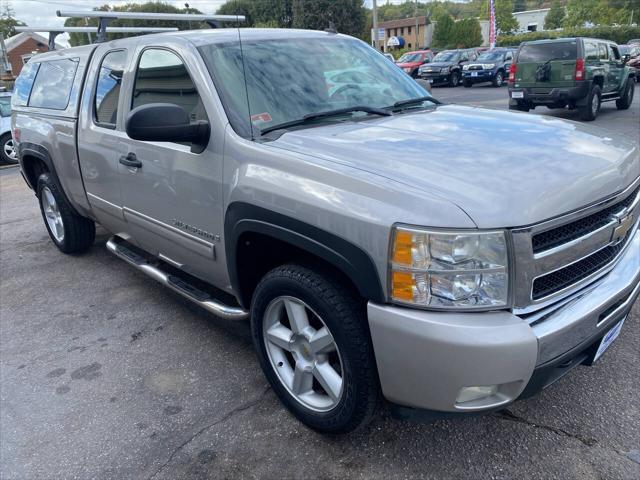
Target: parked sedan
point(492, 66)
point(8, 153)
point(446, 67)
point(410, 62)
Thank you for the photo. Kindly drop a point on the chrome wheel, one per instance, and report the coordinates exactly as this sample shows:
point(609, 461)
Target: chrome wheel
point(10, 149)
point(52, 214)
point(303, 353)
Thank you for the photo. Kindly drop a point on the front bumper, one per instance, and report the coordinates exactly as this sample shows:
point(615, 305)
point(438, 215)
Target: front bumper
point(481, 75)
point(425, 358)
point(435, 78)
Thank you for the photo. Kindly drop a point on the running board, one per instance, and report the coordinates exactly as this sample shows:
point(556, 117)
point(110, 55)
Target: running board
point(119, 248)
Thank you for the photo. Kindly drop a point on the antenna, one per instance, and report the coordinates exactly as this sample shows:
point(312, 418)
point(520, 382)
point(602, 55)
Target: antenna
point(105, 17)
point(55, 31)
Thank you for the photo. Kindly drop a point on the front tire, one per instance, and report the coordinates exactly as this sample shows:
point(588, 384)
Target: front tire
point(454, 80)
point(498, 80)
point(8, 152)
point(589, 112)
point(70, 232)
point(312, 340)
point(625, 102)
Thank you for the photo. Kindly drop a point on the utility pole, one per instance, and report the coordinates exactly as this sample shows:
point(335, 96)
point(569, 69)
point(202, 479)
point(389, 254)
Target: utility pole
point(375, 25)
point(415, 14)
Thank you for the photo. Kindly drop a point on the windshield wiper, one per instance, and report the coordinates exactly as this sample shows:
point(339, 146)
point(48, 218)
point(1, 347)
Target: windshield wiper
point(328, 113)
point(413, 101)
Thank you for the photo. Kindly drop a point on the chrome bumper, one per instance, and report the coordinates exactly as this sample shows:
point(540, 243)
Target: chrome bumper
point(425, 358)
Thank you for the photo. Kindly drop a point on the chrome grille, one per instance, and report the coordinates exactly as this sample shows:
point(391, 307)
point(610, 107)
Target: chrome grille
point(560, 279)
point(565, 233)
point(560, 256)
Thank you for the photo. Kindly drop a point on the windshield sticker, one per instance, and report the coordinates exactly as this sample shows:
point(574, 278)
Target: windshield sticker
point(261, 118)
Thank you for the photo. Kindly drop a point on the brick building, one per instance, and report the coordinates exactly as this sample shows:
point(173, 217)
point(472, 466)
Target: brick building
point(415, 32)
point(21, 47)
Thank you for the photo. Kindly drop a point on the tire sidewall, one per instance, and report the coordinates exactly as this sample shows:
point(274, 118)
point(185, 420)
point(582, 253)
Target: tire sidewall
point(5, 158)
point(45, 180)
point(281, 286)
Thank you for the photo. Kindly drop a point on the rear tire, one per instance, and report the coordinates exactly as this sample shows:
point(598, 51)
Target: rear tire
point(589, 112)
point(8, 153)
point(627, 98)
point(69, 231)
point(297, 369)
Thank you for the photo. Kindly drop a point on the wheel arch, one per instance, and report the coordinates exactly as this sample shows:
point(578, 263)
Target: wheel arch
point(598, 80)
point(35, 160)
point(257, 239)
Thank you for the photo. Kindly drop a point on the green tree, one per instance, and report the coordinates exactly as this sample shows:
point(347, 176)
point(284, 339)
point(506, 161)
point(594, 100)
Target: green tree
point(505, 21)
point(466, 33)
point(519, 5)
point(149, 7)
point(596, 12)
point(347, 16)
point(8, 23)
point(442, 35)
point(239, 7)
point(555, 16)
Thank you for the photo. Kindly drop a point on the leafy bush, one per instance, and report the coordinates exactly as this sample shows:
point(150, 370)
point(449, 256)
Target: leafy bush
point(620, 35)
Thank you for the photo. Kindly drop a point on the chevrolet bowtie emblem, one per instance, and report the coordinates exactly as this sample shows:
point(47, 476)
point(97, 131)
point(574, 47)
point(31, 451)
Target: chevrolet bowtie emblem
point(625, 223)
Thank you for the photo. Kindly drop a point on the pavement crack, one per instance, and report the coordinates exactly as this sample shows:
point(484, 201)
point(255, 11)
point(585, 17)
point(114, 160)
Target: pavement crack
point(512, 417)
point(227, 416)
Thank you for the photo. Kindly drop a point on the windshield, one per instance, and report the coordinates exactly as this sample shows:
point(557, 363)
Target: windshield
point(288, 79)
point(5, 106)
point(542, 52)
point(410, 58)
point(446, 57)
point(491, 57)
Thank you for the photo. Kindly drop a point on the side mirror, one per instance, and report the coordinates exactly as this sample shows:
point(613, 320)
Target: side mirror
point(166, 122)
point(625, 58)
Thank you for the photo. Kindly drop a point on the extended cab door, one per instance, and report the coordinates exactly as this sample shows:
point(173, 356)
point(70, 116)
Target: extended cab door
point(173, 200)
point(101, 134)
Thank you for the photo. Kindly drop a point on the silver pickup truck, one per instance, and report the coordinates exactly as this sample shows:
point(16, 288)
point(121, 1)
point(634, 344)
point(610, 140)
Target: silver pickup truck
point(300, 180)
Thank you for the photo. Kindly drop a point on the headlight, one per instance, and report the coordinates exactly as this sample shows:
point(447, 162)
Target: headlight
point(439, 269)
point(408, 70)
point(445, 69)
point(488, 66)
point(465, 67)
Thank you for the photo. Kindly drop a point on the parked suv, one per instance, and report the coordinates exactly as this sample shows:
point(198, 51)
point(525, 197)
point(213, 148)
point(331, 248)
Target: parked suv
point(446, 67)
point(491, 66)
point(570, 72)
point(379, 242)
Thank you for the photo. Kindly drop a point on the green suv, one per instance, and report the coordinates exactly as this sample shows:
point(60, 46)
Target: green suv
point(570, 72)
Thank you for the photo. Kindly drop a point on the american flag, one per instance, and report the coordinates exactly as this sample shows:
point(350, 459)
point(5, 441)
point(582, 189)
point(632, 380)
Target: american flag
point(492, 25)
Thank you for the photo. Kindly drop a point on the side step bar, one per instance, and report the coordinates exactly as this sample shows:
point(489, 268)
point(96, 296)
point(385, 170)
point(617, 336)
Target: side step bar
point(175, 283)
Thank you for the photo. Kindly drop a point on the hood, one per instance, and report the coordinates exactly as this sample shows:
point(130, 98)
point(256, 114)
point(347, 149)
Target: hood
point(409, 64)
point(439, 64)
point(503, 169)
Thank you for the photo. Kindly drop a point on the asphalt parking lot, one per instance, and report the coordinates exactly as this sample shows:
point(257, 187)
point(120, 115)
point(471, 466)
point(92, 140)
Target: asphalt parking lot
point(106, 374)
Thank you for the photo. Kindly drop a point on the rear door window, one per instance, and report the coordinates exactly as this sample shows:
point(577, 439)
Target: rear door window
point(591, 51)
point(52, 86)
point(542, 52)
point(24, 83)
point(602, 48)
point(108, 88)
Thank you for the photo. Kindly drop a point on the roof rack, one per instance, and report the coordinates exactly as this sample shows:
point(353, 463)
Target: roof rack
point(105, 17)
point(55, 31)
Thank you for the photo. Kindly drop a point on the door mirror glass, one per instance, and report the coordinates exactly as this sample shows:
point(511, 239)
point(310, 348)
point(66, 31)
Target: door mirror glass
point(166, 122)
